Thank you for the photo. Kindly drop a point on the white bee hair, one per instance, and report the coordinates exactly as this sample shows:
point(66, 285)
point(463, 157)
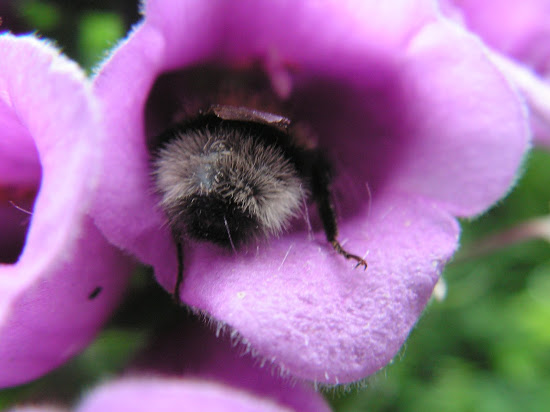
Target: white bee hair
point(226, 163)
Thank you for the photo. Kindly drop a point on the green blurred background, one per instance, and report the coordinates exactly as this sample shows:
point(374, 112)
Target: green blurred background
point(485, 347)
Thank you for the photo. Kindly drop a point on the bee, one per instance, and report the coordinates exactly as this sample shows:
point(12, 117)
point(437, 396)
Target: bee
point(231, 175)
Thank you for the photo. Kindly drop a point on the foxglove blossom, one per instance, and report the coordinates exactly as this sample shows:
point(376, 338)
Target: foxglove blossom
point(188, 368)
point(59, 278)
point(519, 34)
point(421, 127)
point(169, 394)
point(165, 394)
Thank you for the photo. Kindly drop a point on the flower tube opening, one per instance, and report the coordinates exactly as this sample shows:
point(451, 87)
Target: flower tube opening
point(359, 136)
point(20, 179)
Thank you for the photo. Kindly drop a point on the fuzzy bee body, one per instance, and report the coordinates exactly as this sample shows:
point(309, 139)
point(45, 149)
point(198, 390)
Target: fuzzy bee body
point(232, 175)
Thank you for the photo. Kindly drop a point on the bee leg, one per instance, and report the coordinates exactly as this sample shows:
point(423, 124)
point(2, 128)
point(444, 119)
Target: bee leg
point(321, 182)
point(360, 261)
point(179, 279)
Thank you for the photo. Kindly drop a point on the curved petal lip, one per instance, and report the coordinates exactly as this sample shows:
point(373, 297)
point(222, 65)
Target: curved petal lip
point(455, 152)
point(339, 324)
point(67, 278)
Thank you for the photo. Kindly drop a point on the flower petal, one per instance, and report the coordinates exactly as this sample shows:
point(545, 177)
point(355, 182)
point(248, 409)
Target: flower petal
point(67, 278)
point(535, 90)
point(125, 181)
point(467, 142)
point(518, 30)
point(166, 395)
point(299, 305)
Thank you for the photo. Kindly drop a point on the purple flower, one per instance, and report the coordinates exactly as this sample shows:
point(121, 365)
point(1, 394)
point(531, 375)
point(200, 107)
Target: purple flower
point(420, 125)
point(164, 394)
point(520, 32)
point(59, 278)
point(171, 394)
point(190, 369)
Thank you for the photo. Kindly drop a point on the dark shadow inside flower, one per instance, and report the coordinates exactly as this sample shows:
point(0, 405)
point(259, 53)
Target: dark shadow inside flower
point(184, 347)
point(359, 123)
point(19, 185)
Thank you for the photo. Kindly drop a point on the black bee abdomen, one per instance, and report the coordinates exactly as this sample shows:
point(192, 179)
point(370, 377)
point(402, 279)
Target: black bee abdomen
point(218, 220)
